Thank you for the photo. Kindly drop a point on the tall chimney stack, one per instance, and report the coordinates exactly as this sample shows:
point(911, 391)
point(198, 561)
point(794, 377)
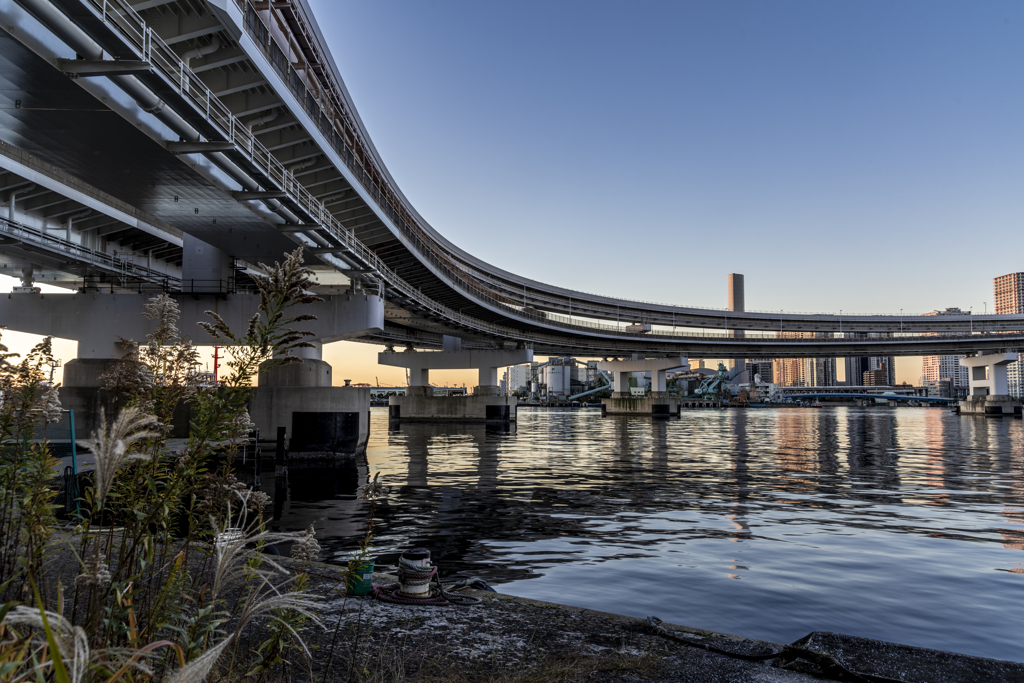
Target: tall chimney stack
point(736, 303)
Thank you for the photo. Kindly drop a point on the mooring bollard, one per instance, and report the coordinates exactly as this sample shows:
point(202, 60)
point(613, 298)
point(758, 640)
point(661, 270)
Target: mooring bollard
point(415, 572)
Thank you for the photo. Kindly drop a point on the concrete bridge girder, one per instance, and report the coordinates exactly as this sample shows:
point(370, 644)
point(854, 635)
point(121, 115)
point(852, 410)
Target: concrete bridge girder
point(98, 321)
point(621, 369)
point(420, 363)
point(709, 319)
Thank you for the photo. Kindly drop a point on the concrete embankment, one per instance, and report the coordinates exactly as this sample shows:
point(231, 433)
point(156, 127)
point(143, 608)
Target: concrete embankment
point(507, 638)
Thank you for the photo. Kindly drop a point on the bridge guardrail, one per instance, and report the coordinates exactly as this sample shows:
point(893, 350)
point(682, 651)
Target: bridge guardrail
point(42, 240)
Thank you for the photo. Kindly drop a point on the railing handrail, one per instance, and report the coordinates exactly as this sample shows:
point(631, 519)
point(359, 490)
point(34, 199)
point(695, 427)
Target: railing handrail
point(42, 238)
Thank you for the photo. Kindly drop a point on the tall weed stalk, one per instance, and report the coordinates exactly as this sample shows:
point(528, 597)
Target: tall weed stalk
point(166, 570)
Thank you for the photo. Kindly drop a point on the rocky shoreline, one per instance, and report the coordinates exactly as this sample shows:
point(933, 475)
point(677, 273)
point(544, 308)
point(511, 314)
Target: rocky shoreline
point(508, 638)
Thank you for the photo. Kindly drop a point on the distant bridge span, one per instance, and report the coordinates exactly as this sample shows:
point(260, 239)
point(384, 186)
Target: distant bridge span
point(882, 397)
point(227, 121)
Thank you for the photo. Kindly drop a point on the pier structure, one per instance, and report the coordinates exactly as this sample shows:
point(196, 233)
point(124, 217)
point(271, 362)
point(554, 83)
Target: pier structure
point(101, 321)
point(989, 388)
point(656, 402)
point(486, 404)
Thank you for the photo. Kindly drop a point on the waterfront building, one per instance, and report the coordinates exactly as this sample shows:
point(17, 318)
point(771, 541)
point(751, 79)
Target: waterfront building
point(935, 368)
point(855, 369)
point(1009, 298)
point(857, 366)
point(937, 389)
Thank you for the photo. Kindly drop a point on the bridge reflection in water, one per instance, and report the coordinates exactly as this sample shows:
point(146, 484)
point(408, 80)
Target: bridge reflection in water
point(902, 524)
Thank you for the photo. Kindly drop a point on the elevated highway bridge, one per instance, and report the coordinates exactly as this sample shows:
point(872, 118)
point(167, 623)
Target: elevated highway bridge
point(146, 141)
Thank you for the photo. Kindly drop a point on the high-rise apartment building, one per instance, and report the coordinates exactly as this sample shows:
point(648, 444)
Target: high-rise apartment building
point(804, 372)
point(936, 368)
point(856, 367)
point(885, 364)
point(1009, 298)
point(875, 378)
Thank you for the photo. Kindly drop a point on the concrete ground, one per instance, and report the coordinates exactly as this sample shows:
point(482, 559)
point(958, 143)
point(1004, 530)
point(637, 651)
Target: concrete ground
point(506, 638)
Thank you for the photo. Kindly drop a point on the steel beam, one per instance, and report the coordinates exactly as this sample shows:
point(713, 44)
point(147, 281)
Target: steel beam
point(89, 68)
point(199, 147)
point(247, 196)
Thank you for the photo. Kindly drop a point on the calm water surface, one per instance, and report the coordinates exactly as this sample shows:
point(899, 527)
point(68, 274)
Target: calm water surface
point(902, 524)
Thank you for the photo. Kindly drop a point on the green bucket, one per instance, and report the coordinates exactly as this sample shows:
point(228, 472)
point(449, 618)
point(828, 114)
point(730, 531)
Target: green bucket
point(360, 577)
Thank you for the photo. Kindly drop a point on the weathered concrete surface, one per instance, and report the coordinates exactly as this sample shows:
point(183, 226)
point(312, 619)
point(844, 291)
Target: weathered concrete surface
point(273, 407)
point(474, 408)
point(509, 638)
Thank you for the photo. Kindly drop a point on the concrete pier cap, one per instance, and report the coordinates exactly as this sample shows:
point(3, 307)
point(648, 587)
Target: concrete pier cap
point(485, 405)
point(989, 385)
point(621, 369)
point(486, 361)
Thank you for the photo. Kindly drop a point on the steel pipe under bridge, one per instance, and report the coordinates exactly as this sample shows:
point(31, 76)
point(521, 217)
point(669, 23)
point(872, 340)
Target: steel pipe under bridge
point(222, 136)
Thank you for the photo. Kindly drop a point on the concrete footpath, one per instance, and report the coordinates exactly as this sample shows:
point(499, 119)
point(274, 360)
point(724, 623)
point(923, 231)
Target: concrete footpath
point(506, 638)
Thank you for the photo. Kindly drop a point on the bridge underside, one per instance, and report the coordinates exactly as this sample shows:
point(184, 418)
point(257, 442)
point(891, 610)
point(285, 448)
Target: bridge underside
point(110, 146)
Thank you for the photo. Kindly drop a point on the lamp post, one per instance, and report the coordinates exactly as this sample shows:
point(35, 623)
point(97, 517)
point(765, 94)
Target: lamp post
point(840, 322)
point(901, 321)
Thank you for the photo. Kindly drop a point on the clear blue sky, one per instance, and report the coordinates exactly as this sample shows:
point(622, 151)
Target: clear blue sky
point(864, 156)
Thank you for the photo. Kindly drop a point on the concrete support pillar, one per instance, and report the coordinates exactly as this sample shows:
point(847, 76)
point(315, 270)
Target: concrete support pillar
point(658, 382)
point(314, 353)
point(621, 370)
point(988, 373)
point(488, 377)
point(485, 405)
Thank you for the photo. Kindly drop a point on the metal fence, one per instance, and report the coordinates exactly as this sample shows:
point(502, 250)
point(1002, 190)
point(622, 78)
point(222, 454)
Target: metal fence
point(59, 438)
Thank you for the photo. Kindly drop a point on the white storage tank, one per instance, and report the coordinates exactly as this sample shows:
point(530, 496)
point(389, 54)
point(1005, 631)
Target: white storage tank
point(559, 379)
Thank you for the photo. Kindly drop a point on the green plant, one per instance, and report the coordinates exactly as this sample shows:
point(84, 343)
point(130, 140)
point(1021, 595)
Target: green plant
point(169, 578)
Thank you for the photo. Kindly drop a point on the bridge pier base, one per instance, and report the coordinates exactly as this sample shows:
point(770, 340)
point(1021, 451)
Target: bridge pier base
point(98, 320)
point(657, 403)
point(990, 392)
point(320, 419)
point(486, 404)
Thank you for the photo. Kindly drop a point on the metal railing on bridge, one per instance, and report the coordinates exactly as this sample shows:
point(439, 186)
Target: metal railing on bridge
point(49, 243)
